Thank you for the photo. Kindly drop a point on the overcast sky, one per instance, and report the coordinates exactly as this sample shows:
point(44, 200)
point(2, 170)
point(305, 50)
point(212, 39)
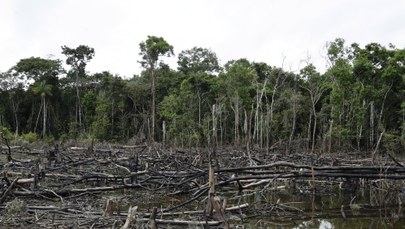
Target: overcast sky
point(259, 30)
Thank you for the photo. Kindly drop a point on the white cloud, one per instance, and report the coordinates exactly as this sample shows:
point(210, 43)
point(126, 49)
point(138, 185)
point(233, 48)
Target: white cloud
point(260, 30)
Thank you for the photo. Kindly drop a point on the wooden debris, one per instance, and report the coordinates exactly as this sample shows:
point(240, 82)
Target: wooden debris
point(131, 218)
point(111, 206)
point(8, 190)
point(178, 184)
point(152, 219)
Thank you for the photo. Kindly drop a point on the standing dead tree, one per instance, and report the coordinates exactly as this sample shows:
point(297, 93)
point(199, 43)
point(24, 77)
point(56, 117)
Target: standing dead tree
point(6, 142)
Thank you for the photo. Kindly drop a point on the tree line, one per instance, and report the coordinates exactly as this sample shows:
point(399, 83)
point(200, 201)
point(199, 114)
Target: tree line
point(357, 104)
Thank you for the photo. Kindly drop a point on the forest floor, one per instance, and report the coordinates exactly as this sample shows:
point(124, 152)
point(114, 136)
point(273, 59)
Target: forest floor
point(122, 186)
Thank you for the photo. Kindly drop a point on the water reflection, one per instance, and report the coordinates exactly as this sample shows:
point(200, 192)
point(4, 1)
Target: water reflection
point(366, 223)
point(346, 205)
point(321, 224)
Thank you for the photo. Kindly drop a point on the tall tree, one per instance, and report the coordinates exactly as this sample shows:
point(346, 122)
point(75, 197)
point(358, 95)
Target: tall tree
point(43, 89)
point(198, 64)
point(237, 83)
point(138, 93)
point(342, 98)
point(39, 71)
point(198, 59)
point(278, 78)
point(15, 93)
point(151, 50)
point(78, 59)
point(315, 87)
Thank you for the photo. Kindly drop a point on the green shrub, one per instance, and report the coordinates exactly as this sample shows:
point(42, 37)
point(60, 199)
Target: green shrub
point(5, 133)
point(392, 143)
point(30, 137)
point(15, 209)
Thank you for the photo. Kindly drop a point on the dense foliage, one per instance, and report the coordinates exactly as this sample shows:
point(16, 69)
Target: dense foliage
point(356, 104)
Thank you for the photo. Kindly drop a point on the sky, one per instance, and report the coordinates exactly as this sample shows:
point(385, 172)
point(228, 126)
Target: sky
point(280, 33)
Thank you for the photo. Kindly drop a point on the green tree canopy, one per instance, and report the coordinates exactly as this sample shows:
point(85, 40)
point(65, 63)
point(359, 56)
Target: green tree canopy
point(151, 49)
point(198, 60)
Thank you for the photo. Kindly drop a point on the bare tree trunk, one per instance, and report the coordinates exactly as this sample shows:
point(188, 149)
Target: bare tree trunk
point(78, 102)
point(39, 115)
point(340, 124)
point(383, 104)
point(273, 98)
point(315, 95)
point(164, 132)
point(272, 107)
point(256, 128)
point(152, 71)
point(266, 122)
point(382, 108)
point(293, 122)
point(199, 107)
point(261, 130)
point(214, 127)
point(359, 137)
point(373, 155)
point(313, 134)
point(15, 111)
point(258, 105)
point(149, 130)
point(112, 117)
point(237, 126)
point(360, 132)
point(330, 136)
point(44, 116)
point(249, 138)
point(221, 127)
point(309, 129)
point(235, 109)
point(314, 102)
point(372, 123)
point(245, 126)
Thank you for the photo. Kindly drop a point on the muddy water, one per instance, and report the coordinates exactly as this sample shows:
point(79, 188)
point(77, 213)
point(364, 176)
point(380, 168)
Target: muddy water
point(326, 207)
point(323, 205)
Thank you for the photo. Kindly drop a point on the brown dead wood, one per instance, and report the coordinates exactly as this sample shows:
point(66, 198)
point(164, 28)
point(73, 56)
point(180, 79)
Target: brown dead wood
point(176, 183)
point(8, 191)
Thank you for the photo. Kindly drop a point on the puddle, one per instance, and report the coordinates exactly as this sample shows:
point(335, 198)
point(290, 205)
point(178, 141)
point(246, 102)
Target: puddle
point(329, 206)
point(278, 205)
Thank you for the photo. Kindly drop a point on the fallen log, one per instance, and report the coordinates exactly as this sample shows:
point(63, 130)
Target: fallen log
point(25, 181)
point(68, 192)
point(185, 222)
point(309, 174)
point(178, 184)
point(8, 190)
point(399, 169)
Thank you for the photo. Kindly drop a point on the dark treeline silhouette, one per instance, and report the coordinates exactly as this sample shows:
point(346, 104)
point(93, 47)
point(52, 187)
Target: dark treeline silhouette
point(358, 103)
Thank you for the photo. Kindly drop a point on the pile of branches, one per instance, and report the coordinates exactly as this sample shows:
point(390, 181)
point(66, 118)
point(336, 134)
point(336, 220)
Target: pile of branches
point(123, 186)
